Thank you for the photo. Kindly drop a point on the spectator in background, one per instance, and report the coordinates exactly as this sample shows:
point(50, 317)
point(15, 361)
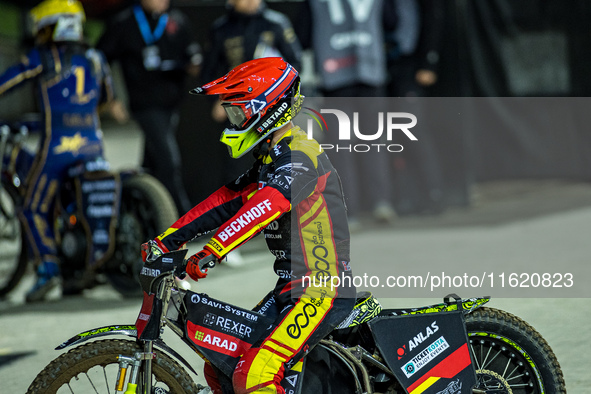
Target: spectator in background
point(413, 57)
point(353, 66)
point(156, 51)
point(249, 31)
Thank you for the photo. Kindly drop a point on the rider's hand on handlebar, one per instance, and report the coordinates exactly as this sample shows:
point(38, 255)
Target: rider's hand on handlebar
point(150, 251)
point(198, 264)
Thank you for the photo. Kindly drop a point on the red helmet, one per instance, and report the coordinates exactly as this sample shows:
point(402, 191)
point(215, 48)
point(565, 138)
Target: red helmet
point(259, 96)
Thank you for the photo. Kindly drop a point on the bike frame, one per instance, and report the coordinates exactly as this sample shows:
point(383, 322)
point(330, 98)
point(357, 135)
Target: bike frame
point(161, 296)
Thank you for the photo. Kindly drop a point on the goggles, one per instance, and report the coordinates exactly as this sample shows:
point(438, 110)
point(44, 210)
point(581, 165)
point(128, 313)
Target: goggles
point(236, 114)
point(68, 28)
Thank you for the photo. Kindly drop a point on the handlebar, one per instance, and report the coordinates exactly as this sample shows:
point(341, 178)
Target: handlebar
point(13, 133)
point(28, 123)
point(154, 272)
point(20, 129)
point(167, 264)
point(207, 264)
point(12, 128)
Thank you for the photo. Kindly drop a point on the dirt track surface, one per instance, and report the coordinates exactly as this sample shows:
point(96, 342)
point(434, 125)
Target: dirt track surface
point(28, 333)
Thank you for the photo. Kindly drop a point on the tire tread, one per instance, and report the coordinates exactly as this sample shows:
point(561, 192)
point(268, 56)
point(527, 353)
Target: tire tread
point(529, 339)
point(83, 357)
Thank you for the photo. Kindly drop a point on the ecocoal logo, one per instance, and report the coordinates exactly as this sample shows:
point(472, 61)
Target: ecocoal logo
point(301, 321)
point(390, 125)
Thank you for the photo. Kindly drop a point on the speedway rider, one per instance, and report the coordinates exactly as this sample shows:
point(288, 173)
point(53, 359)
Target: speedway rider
point(71, 81)
point(293, 195)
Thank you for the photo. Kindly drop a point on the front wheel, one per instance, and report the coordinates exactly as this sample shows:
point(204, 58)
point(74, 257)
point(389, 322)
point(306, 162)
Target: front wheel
point(93, 368)
point(147, 209)
point(13, 247)
point(510, 356)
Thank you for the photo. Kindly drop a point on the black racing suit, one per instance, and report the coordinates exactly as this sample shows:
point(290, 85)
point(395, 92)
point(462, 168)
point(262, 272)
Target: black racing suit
point(293, 195)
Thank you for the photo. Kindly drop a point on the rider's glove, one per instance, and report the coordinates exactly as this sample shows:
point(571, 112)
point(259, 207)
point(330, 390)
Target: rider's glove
point(150, 251)
point(200, 259)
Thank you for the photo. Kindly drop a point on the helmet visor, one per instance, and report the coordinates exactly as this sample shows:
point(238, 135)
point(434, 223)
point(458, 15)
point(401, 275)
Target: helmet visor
point(236, 115)
point(68, 28)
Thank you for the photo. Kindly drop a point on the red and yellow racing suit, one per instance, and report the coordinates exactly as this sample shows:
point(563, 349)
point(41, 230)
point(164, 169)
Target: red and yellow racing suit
point(293, 195)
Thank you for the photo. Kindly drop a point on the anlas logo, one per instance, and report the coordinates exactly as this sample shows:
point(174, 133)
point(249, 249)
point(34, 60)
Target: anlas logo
point(423, 335)
point(417, 339)
point(390, 125)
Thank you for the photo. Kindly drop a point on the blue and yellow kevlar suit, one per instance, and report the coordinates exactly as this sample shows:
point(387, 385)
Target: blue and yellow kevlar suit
point(71, 81)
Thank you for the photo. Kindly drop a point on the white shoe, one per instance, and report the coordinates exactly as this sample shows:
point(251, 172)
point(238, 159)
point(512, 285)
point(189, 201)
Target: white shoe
point(383, 212)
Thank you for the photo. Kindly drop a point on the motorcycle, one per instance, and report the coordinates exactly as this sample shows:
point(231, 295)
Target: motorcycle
point(99, 219)
point(458, 346)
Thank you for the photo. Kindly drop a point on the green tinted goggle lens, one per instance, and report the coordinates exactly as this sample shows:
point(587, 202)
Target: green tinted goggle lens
point(235, 114)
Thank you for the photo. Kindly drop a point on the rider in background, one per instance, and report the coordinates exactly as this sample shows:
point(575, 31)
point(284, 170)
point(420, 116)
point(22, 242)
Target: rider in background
point(71, 81)
point(292, 195)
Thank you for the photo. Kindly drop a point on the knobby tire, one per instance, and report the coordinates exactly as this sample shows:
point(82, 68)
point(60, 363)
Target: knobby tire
point(72, 367)
point(493, 331)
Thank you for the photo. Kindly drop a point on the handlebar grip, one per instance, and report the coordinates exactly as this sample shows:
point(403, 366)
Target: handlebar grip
point(181, 270)
point(205, 264)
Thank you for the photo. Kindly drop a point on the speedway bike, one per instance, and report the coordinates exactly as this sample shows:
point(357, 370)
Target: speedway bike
point(457, 346)
point(99, 219)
